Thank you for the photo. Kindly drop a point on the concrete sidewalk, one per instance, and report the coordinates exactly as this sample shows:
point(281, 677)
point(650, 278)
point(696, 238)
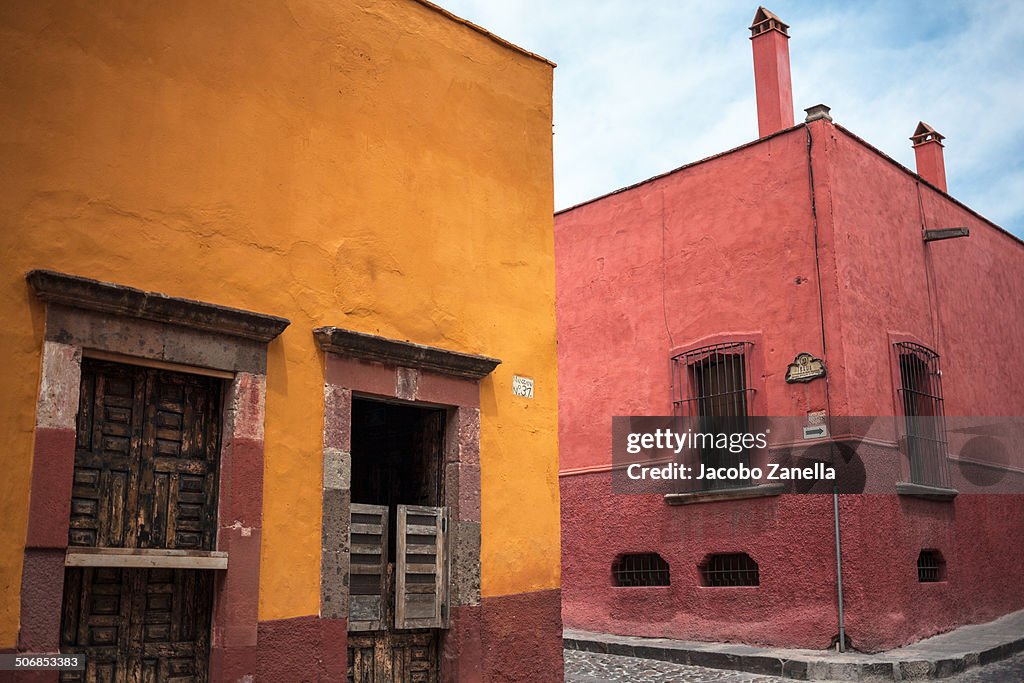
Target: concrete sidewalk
point(936, 657)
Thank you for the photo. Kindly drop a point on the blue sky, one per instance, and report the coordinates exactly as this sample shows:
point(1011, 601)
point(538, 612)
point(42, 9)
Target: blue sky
point(645, 86)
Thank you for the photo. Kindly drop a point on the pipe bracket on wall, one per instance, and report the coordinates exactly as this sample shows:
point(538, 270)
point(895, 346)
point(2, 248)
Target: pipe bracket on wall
point(945, 234)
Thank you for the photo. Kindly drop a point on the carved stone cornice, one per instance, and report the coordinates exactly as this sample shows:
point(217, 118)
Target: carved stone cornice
point(106, 297)
point(369, 347)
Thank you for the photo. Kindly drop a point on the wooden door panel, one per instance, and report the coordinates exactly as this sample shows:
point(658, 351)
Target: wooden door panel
point(393, 657)
point(135, 625)
point(96, 619)
point(416, 657)
point(108, 436)
point(180, 442)
point(361, 667)
point(147, 448)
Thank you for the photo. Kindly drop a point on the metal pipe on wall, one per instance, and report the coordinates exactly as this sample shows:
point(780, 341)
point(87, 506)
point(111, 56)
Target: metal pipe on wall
point(839, 570)
point(828, 407)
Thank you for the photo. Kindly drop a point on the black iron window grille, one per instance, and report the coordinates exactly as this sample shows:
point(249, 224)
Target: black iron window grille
point(640, 569)
point(712, 388)
point(734, 569)
point(930, 566)
point(925, 423)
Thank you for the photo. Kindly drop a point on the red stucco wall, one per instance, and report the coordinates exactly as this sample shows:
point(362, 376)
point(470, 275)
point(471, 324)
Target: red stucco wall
point(965, 299)
point(882, 535)
point(728, 246)
point(714, 249)
point(887, 274)
point(795, 608)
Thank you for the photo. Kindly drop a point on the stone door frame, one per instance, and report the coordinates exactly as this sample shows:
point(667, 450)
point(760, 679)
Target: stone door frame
point(376, 367)
point(121, 323)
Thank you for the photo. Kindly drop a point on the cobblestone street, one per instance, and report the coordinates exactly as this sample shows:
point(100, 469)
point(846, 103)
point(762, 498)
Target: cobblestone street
point(586, 667)
point(1010, 670)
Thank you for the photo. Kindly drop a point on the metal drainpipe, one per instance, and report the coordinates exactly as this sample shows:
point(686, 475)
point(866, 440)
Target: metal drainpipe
point(839, 570)
point(841, 645)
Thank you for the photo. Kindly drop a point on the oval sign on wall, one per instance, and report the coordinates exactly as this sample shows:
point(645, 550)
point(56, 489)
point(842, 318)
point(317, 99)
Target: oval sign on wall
point(804, 368)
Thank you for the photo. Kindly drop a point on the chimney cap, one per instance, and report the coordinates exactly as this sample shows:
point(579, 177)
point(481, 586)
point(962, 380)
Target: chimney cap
point(925, 133)
point(765, 21)
point(818, 111)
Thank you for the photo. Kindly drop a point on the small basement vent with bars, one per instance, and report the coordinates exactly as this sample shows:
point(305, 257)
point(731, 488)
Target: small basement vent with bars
point(931, 567)
point(641, 569)
point(735, 569)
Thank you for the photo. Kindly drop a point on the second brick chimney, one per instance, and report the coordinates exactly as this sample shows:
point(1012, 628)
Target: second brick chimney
point(770, 40)
point(928, 149)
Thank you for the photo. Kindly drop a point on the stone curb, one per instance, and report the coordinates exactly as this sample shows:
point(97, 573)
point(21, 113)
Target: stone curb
point(792, 664)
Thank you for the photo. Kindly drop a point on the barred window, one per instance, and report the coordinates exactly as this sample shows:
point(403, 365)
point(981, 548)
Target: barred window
point(712, 384)
point(931, 567)
point(734, 569)
point(640, 569)
point(921, 397)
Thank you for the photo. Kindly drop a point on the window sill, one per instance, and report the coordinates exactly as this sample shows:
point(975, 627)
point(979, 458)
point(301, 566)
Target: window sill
point(146, 558)
point(738, 493)
point(905, 488)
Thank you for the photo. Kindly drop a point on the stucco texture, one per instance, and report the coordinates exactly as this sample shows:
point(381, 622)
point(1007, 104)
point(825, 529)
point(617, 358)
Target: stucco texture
point(790, 607)
point(376, 166)
point(805, 241)
point(723, 248)
point(962, 297)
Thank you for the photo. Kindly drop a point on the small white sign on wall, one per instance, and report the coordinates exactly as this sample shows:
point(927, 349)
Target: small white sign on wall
point(815, 432)
point(522, 386)
point(816, 417)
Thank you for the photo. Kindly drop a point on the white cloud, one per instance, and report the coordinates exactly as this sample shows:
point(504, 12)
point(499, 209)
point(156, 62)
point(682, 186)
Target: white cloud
point(643, 87)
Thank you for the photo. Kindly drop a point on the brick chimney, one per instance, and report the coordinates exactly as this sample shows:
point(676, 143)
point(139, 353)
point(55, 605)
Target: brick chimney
point(928, 150)
point(770, 40)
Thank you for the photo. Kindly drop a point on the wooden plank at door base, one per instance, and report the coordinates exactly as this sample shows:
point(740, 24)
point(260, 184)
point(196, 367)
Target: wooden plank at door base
point(145, 558)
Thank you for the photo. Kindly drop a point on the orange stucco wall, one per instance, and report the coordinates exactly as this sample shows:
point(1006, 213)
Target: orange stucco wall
point(376, 166)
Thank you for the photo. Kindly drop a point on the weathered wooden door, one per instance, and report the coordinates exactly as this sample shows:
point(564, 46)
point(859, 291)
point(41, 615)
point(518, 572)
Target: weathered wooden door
point(145, 477)
point(396, 607)
point(146, 458)
point(137, 625)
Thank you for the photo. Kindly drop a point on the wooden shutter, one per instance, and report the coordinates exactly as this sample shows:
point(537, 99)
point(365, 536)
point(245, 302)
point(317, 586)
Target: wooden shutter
point(368, 562)
point(421, 568)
